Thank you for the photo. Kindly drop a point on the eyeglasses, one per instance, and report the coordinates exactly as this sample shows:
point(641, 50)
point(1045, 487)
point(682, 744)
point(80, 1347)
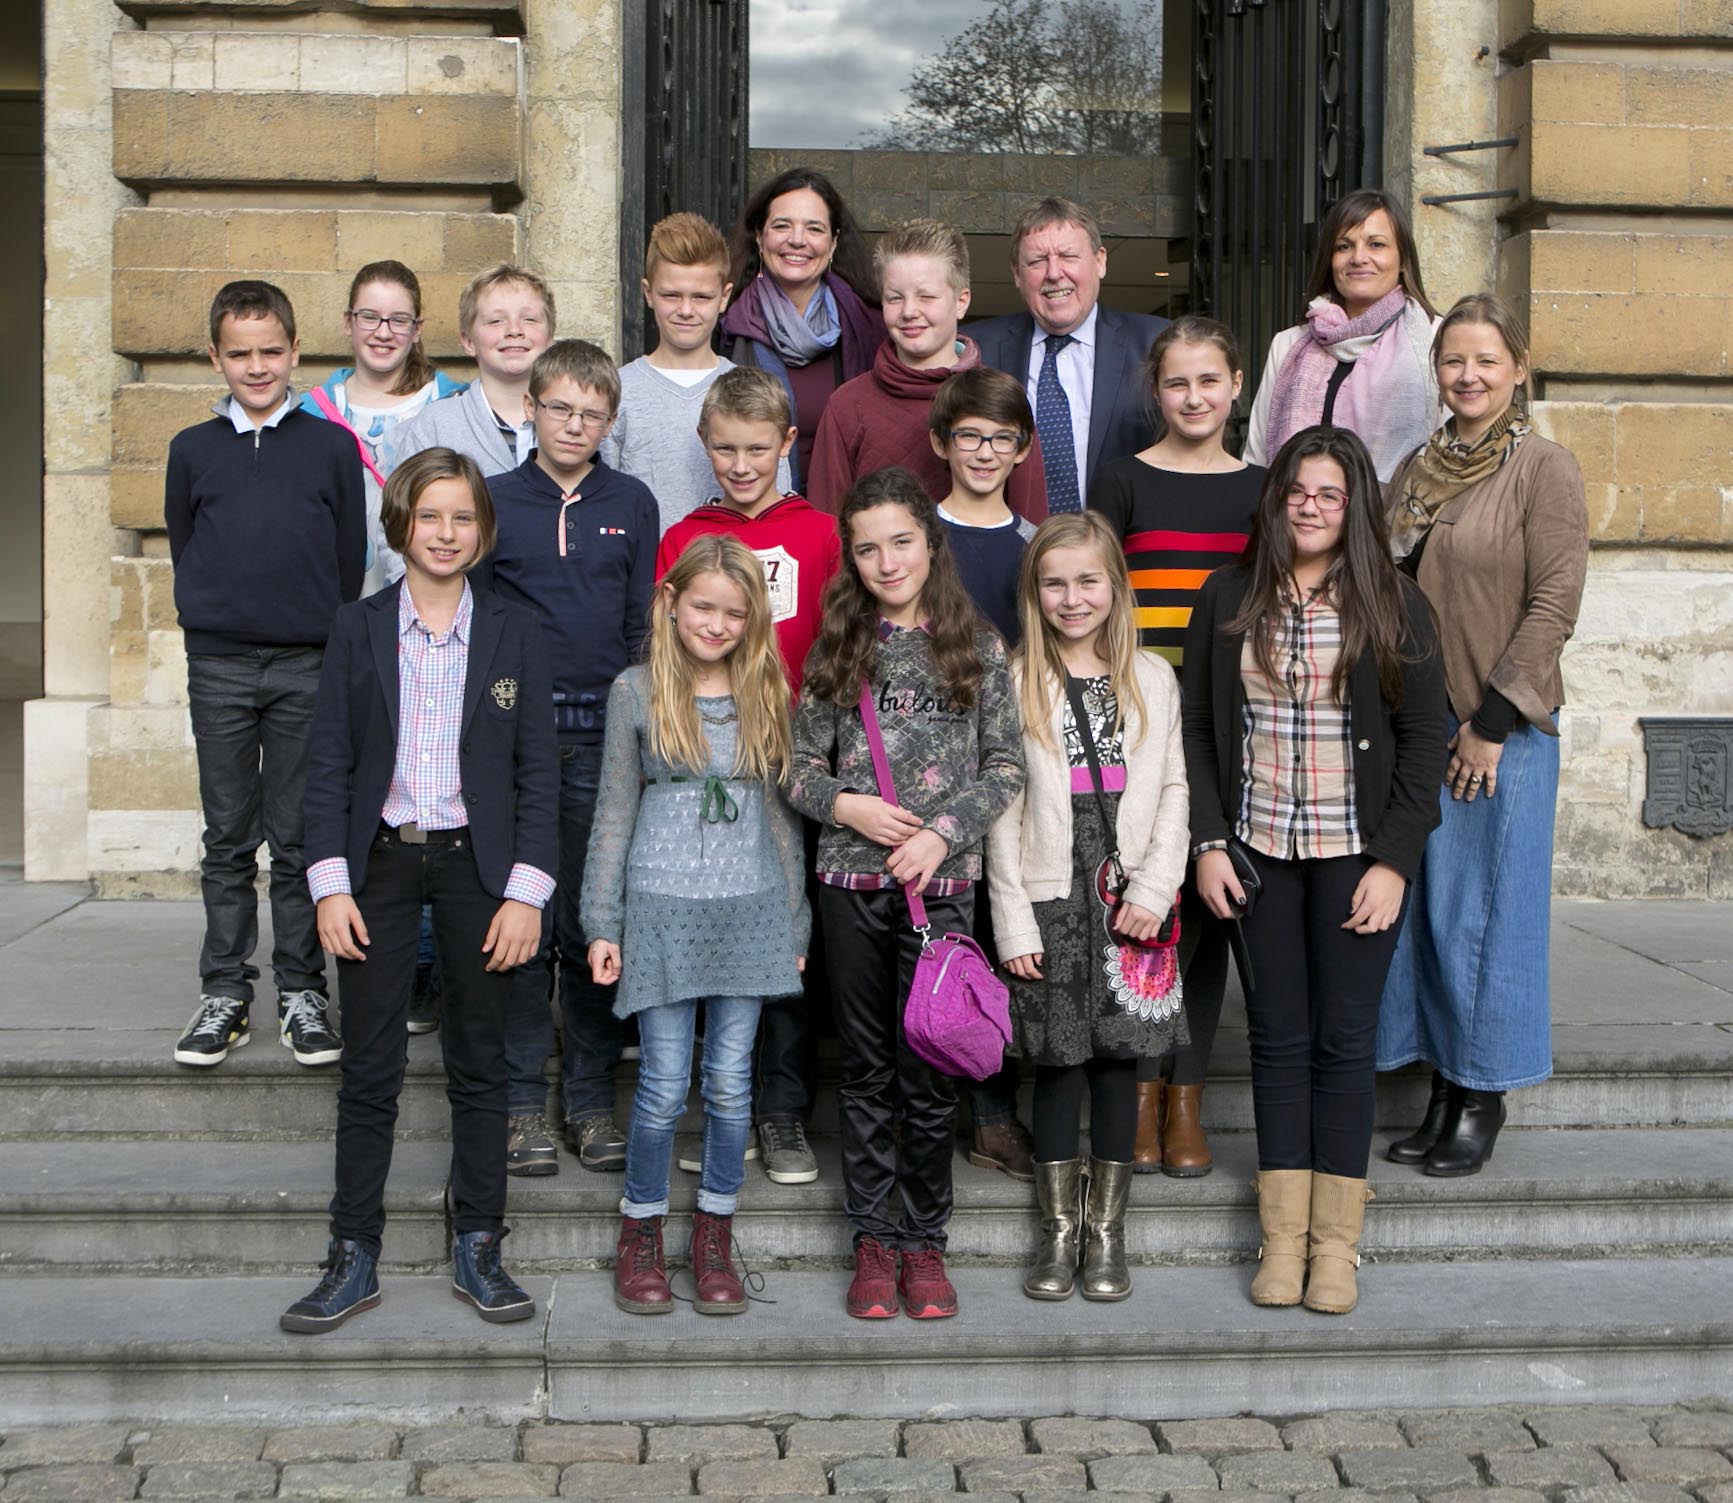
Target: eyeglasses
point(970, 439)
point(563, 413)
point(1328, 499)
point(370, 319)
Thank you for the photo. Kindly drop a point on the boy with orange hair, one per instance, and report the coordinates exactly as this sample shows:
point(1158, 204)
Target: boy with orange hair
point(655, 435)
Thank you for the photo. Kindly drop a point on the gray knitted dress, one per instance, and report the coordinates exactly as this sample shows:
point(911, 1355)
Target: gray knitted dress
point(699, 877)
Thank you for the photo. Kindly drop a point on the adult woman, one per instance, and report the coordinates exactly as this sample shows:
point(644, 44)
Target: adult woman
point(1359, 359)
point(1490, 518)
point(1313, 721)
point(806, 311)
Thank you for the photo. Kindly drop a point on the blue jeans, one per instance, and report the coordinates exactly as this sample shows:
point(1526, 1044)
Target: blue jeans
point(664, 1075)
point(593, 1036)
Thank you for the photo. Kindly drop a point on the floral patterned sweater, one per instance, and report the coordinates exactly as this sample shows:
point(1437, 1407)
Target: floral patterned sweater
point(958, 769)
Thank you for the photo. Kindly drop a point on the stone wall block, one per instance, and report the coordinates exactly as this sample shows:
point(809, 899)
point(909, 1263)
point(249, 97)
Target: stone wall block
point(1591, 18)
point(76, 246)
point(144, 780)
point(463, 65)
point(476, 241)
point(1573, 261)
point(140, 142)
point(1615, 165)
point(568, 142)
point(354, 65)
point(448, 140)
point(257, 63)
point(1610, 334)
point(148, 414)
point(135, 498)
point(1711, 168)
point(1684, 514)
point(572, 50)
point(1667, 95)
point(141, 60)
point(1685, 443)
point(78, 375)
point(417, 240)
point(1586, 93)
point(170, 237)
point(1684, 265)
point(55, 789)
point(275, 241)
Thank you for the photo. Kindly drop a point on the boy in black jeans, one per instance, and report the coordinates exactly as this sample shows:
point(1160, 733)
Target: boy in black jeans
point(266, 517)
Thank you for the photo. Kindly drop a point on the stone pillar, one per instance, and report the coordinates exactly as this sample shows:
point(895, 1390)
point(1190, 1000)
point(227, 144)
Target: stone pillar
point(1619, 261)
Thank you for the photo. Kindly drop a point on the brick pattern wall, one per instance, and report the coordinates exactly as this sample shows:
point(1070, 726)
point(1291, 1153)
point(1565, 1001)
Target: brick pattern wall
point(1617, 253)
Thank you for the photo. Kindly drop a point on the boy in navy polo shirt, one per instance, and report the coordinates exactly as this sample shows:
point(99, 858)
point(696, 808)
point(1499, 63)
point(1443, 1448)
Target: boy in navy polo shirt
point(267, 527)
point(577, 543)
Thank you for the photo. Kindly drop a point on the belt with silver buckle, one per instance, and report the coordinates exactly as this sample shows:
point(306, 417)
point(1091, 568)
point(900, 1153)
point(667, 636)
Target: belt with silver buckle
point(413, 834)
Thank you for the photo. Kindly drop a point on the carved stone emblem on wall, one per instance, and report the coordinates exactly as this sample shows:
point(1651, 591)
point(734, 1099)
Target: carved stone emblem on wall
point(1690, 773)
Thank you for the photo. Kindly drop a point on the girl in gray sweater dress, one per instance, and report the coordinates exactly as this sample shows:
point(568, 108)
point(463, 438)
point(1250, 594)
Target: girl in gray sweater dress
point(694, 892)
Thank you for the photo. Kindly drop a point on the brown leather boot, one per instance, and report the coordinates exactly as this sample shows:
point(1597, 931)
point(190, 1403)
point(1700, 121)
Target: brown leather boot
point(720, 1291)
point(1146, 1150)
point(1005, 1146)
point(640, 1271)
point(1184, 1149)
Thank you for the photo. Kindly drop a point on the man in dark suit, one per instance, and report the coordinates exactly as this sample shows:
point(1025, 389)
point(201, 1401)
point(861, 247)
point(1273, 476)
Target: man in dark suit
point(1079, 359)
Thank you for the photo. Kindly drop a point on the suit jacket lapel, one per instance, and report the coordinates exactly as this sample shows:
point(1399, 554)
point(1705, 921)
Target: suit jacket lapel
point(485, 626)
point(382, 636)
point(1113, 358)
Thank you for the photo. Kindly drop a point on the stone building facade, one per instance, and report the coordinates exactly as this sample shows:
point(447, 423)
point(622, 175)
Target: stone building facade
point(189, 141)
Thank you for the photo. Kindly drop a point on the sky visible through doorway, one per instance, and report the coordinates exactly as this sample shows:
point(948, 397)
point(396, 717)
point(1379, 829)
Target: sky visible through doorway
point(831, 74)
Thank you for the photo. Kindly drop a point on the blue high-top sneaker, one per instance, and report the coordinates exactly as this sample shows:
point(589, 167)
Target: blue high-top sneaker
point(350, 1285)
point(478, 1277)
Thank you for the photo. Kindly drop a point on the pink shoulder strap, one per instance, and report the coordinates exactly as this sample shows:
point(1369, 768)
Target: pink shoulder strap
point(869, 719)
point(322, 400)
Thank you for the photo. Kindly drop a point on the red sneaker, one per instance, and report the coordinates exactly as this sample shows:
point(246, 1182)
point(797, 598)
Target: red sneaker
point(873, 1294)
point(927, 1293)
point(640, 1272)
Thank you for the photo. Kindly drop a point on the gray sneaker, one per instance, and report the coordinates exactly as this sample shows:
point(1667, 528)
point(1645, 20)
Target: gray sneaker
point(788, 1157)
point(691, 1153)
point(598, 1143)
point(529, 1146)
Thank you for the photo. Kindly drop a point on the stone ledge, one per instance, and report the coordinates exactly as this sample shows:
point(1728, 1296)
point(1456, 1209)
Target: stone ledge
point(242, 62)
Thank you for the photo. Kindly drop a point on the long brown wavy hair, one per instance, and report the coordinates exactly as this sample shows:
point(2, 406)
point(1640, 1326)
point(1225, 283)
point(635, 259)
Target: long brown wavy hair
point(848, 640)
point(1363, 581)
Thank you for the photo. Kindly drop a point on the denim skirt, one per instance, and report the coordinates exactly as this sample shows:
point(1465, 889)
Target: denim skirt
point(1469, 988)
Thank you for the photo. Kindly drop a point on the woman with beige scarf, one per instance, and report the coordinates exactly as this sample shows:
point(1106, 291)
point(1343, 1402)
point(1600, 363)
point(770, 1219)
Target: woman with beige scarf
point(1490, 518)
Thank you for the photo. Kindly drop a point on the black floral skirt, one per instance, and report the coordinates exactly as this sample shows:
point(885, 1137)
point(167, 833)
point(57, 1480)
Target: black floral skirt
point(1082, 1009)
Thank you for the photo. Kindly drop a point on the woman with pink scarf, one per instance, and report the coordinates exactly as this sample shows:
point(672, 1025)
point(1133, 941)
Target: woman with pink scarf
point(807, 306)
point(1361, 358)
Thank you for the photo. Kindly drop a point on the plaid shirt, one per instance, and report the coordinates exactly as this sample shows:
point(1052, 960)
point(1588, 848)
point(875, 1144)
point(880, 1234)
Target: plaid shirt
point(1297, 795)
point(426, 782)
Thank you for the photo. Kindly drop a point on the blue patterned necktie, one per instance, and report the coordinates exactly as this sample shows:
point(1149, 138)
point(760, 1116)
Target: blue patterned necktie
point(1053, 424)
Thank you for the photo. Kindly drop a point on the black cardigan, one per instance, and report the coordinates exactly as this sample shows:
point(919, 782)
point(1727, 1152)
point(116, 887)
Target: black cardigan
point(1399, 752)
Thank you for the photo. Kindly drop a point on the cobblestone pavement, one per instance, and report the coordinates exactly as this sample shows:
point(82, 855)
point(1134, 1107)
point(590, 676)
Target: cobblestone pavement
point(1681, 1454)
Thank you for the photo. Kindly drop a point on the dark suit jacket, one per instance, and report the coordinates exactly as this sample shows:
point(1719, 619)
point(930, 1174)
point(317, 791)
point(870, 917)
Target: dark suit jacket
point(1399, 751)
point(508, 755)
point(1120, 420)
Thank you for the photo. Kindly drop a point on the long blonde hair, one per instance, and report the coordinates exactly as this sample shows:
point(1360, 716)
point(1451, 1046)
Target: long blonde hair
point(763, 742)
point(1043, 670)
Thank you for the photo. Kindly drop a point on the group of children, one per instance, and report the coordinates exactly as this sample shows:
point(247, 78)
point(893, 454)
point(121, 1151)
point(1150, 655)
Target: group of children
point(553, 663)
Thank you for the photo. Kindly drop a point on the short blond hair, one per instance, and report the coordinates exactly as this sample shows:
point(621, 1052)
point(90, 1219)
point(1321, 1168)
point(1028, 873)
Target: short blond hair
point(685, 239)
point(503, 275)
point(926, 237)
point(749, 395)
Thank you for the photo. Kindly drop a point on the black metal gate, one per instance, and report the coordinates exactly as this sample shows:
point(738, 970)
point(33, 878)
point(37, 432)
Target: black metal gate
point(1287, 115)
point(683, 117)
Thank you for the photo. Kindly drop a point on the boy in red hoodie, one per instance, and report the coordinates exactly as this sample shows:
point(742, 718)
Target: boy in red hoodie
point(747, 427)
point(880, 418)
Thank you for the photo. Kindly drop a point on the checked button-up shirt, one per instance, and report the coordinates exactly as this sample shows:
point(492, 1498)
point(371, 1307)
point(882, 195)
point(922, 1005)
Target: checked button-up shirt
point(426, 781)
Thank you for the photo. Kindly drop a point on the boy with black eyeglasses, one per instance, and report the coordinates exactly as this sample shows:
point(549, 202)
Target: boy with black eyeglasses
point(577, 544)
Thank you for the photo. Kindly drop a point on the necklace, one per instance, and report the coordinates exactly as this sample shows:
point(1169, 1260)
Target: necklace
point(710, 719)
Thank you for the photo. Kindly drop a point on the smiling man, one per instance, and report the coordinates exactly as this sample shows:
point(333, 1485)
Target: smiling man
point(1079, 359)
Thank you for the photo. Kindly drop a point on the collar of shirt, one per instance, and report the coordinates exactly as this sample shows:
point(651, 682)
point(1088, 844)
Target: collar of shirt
point(408, 617)
point(888, 628)
point(237, 414)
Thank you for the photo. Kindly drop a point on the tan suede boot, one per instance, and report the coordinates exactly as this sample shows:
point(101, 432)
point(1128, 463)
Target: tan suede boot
point(1338, 1213)
point(1284, 1211)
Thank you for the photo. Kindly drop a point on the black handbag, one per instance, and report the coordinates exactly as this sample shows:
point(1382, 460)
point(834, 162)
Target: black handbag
point(1251, 884)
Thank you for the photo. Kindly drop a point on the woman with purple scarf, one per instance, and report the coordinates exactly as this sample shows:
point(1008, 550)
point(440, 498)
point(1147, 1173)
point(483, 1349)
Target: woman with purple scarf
point(806, 312)
point(1361, 359)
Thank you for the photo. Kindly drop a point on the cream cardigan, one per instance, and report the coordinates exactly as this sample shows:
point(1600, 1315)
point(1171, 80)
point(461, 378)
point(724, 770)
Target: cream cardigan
point(1029, 845)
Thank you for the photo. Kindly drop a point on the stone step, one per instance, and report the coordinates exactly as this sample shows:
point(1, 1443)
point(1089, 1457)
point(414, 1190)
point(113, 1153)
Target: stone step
point(123, 1084)
point(172, 1207)
point(1188, 1341)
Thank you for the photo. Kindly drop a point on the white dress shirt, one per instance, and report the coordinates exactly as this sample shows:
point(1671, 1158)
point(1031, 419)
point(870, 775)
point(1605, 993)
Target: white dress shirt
point(1077, 378)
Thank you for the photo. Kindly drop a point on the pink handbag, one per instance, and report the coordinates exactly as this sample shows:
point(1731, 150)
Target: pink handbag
point(958, 1013)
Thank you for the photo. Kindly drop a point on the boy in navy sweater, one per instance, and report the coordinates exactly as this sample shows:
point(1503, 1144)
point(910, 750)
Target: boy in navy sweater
point(577, 543)
point(266, 514)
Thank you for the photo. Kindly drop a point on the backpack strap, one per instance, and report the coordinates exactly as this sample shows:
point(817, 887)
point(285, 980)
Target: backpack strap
point(869, 719)
point(322, 400)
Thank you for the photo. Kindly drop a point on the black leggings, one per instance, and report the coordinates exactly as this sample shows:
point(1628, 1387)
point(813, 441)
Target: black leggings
point(1313, 1019)
point(1112, 1109)
point(1203, 963)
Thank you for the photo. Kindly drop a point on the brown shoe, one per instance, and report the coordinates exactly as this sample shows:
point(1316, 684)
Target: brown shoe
point(640, 1271)
point(1146, 1152)
point(1005, 1146)
point(1184, 1149)
point(720, 1291)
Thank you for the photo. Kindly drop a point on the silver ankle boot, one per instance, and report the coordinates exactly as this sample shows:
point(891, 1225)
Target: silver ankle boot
point(1058, 1191)
point(1105, 1273)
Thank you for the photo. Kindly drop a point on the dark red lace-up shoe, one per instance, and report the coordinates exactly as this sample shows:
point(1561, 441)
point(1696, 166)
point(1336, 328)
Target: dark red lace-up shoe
point(640, 1271)
point(873, 1294)
point(927, 1293)
point(720, 1291)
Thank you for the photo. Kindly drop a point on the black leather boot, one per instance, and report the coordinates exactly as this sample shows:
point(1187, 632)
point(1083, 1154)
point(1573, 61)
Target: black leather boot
point(1414, 1148)
point(1468, 1136)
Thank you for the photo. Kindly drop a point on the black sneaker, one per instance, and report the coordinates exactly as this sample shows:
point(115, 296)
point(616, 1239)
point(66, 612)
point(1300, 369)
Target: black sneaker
point(218, 1026)
point(350, 1285)
point(424, 1002)
point(598, 1143)
point(529, 1146)
point(302, 1025)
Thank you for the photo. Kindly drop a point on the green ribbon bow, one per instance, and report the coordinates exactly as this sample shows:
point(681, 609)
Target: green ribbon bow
point(718, 805)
